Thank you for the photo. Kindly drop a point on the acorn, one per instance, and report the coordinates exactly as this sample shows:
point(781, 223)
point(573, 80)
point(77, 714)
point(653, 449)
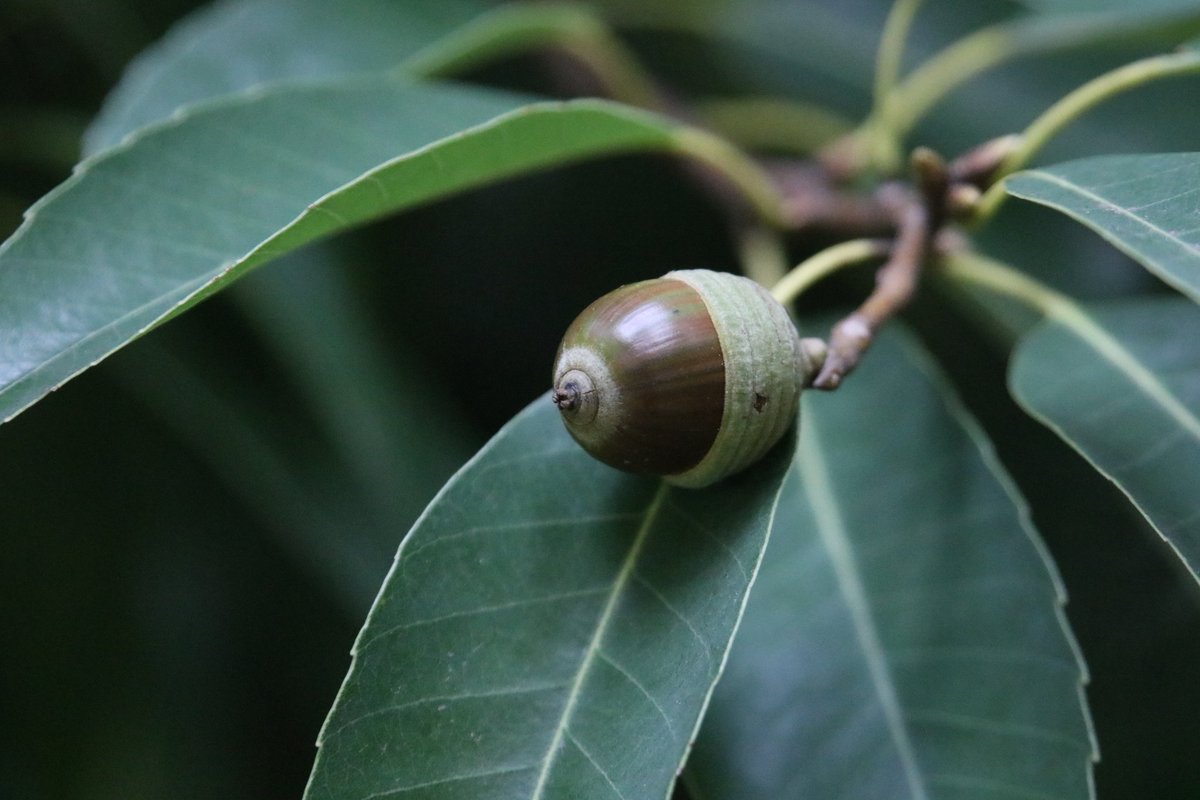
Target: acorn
point(692, 376)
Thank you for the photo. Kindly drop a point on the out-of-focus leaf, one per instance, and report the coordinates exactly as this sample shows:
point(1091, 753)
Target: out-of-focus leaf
point(1122, 386)
point(1085, 6)
point(314, 515)
point(906, 637)
point(371, 403)
point(551, 628)
point(144, 231)
point(520, 27)
point(47, 138)
point(336, 462)
point(1147, 205)
point(232, 45)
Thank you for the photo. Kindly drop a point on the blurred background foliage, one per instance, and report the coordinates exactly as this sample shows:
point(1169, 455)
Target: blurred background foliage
point(193, 532)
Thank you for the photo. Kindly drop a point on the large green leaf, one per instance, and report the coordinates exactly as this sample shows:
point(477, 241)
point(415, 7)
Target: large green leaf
point(148, 229)
point(1144, 204)
point(1122, 386)
point(230, 46)
point(551, 628)
point(905, 637)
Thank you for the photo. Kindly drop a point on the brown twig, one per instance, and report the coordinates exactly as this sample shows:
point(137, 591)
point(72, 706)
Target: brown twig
point(977, 167)
point(813, 201)
point(918, 217)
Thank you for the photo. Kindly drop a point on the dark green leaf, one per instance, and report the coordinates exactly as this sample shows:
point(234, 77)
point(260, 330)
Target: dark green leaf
point(146, 230)
point(230, 46)
point(1122, 386)
point(1144, 204)
point(905, 638)
point(337, 462)
point(551, 628)
point(1085, 6)
point(367, 394)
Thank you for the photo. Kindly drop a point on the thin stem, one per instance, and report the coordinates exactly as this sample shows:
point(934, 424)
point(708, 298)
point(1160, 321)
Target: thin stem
point(826, 262)
point(895, 284)
point(1075, 105)
point(891, 47)
point(909, 102)
point(970, 267)
point(1000, 278)
point(777, 124)
point(884, 139)
point(518, 29)
point(732, 165)
point(762, 253)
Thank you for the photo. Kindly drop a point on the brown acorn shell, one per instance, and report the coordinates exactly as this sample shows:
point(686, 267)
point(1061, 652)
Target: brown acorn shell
point(656, 392)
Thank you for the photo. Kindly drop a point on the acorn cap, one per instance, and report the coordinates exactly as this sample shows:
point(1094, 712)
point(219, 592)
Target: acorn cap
point(764, 373)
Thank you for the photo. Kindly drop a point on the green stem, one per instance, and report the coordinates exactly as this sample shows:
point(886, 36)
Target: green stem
point(891, 47)
point(523, 27)
point(887, 72)
point(777, 124)
point(973, 268)
point(762, 254)
point(745, 174)
point(970, 267)
point(829, 260)
point(1075, 105)
point(909, 102)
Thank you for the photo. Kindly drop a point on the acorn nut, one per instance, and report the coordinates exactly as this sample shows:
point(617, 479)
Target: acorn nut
point(692, 376)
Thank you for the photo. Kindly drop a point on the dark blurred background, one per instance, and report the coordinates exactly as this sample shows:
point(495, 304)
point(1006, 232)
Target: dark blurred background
point(193, 531)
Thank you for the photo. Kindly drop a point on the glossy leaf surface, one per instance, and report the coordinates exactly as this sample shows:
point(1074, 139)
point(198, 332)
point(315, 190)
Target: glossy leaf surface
point(551, 628)
point(905, 637)
point(230, 46)
point(146, 230)
point(1122, 386)
point(1147, 205)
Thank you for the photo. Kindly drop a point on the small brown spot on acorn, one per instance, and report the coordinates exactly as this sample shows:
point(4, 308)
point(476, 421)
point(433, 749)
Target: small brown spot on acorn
point(760, 401)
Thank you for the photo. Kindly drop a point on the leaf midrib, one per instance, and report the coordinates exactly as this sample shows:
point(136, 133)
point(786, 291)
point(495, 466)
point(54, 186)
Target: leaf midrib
point(1122, 242)
point(1109, 348)
point(593, 649)
point(1108, 204)
point(832, 530)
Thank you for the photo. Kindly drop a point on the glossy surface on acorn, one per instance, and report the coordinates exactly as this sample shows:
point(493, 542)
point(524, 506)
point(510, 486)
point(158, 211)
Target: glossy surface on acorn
point(693, 376)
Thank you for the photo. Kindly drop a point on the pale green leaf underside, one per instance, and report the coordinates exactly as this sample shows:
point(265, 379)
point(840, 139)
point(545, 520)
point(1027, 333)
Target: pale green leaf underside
point(1147, 205)
point(150, 228)
point(1123, 388)
point(905, 637)
point(551, 629)
point(230, 46)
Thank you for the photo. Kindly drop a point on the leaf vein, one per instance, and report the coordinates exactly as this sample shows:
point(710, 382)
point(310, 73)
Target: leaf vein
point(606, 616)
point(695, 523)
point(471, 612)
point(667, 604)
point(441, 781)
point(999, 728)
point(832, 530)
point(579, 746)
point(607, 659)
point(1108, 205)
point(449, 698)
